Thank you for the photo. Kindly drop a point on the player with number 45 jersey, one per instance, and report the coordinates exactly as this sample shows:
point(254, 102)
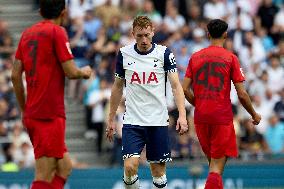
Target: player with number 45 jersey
point(207, 86)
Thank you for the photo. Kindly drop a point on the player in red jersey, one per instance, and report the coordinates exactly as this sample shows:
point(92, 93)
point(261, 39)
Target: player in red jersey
point(207, 86)
point(45, 57)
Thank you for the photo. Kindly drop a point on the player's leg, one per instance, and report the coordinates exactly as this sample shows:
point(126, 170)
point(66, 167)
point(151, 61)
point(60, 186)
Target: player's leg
point(45, 165)
point(130, 177)
point(223, 144)
point(64, 165)
point(158, 153)
point(158, 171)
point(133, 142)
point(44, 169)
point(216, 168)
point(63, 170)
point(47, 137)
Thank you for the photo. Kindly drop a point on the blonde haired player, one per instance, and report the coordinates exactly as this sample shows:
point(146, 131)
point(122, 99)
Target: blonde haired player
point(143, 68)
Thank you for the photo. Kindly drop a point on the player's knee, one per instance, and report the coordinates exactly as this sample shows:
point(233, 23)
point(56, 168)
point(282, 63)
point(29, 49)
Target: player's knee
point(44, 175)
point(158, 170)
point(130, 169)
point(67, 169)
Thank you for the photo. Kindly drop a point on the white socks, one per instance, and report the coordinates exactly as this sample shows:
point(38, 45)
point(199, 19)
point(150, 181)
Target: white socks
point(131, 182)
point(160, 182)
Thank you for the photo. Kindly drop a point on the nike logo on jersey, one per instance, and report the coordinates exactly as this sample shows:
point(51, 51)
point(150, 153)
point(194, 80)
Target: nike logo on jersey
point(130, 63)
point(166, 154)
point(156, 60)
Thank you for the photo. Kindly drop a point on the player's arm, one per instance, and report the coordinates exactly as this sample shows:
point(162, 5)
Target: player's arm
point(246, 102)
point(186, 85)
point(17, 80)
point(179, 99)
point(116, 94)
point(73, 72)
point(115, 98)
point(237, 77)
point(170, 68)
point(65, 56)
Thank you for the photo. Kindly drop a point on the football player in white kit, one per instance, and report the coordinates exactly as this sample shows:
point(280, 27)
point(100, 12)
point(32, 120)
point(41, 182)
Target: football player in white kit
point(143, 68)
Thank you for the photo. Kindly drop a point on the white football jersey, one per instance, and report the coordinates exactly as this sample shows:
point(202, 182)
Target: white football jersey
point(145, 76)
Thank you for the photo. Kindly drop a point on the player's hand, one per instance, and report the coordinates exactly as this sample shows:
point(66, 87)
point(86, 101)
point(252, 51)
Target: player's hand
point(256, 119)
point(182, 126)
point(87, 72)
point(110, 130)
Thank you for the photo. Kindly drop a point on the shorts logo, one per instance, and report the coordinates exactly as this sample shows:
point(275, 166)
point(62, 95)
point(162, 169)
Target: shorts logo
point(166, 154)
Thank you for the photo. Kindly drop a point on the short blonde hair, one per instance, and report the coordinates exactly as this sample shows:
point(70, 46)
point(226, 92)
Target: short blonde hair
point(142, 22)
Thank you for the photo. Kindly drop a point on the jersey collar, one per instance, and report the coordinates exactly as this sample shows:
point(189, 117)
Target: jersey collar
point(144, 53)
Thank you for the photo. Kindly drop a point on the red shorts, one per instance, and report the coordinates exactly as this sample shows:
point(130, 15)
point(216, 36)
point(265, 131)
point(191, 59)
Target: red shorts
point(47, 136)
point(217, 141)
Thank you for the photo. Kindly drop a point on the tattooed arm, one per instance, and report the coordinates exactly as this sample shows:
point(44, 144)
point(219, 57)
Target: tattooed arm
point(17, 80)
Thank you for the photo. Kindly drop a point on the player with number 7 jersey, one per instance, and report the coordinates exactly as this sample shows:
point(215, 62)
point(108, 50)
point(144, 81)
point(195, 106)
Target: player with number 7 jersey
point(45, 57)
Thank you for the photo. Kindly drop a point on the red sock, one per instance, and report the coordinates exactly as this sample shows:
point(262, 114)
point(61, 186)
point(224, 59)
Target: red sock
point(58, 182)
point(214, 181)
point(41, 185)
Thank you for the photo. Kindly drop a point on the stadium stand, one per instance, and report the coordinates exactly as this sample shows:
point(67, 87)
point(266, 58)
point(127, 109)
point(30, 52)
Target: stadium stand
point(98, 28)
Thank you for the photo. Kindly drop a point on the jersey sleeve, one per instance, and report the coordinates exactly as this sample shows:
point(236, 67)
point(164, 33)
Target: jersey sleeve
point(237, 74)
point(18, 54)
point(170, 64)
point(188, 73)
point(119, 72)
point(62, 45)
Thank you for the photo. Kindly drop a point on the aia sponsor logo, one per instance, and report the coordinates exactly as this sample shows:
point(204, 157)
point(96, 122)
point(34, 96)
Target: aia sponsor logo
point(143, 78)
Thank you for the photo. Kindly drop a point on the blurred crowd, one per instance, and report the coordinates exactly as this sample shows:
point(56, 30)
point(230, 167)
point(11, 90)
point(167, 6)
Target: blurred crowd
point(98, 28)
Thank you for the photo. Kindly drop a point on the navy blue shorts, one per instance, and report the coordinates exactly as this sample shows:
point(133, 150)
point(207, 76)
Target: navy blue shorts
point(156, 139)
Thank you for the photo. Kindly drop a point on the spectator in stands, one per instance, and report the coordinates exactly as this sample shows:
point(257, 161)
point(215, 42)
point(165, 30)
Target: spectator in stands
point(107, 12)
point(92, 24)
point(148, 10)
point(194, 15)
point(279, 107)
point(9, 165)
point(103, 45)
point(98, 100)
point(113, 31)
point(24, 156)
point(6, 46)
point(277, 29)
point(275, 74)
point(182, 59)
point(252, 142)
point(274, 135)
point(89, 86)
point(214, 9)
point(183, 147)
point(263, 18)
point(173, 20)
point(199, 40)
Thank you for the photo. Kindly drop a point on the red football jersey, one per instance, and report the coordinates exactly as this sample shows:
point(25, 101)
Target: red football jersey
point(211, 70)
point(42, 49)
